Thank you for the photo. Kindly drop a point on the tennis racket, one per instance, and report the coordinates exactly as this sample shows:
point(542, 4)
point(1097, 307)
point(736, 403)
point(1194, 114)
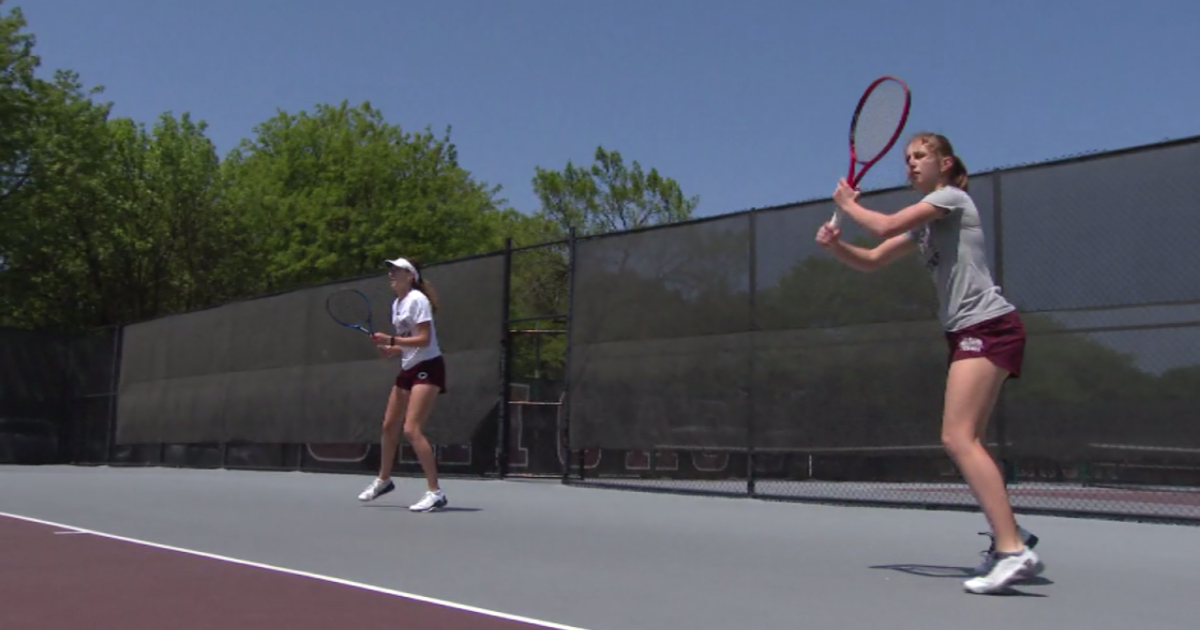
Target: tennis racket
point(877, 123)
point(351, 309)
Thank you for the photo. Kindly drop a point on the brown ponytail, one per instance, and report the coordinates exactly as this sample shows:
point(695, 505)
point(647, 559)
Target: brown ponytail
point(942, 147)
point(425, 287)
point(958, 172)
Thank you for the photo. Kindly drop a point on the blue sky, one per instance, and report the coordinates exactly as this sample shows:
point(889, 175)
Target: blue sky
point(746, 103)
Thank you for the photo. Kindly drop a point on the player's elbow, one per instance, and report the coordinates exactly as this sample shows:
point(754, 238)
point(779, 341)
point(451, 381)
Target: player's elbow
point(876, 260)
point(878, 230)
point(422, 336)
point(870, 262)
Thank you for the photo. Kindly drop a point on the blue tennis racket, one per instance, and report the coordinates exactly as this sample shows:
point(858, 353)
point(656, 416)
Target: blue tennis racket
point(350, 308)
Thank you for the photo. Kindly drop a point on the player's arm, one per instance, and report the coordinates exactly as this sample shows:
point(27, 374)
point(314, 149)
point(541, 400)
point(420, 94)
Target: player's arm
point(874, 259)
point(418, 339)
point(882, 225)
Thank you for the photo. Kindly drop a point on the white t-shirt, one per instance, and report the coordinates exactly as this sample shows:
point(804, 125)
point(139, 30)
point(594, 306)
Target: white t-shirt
point(406, 314)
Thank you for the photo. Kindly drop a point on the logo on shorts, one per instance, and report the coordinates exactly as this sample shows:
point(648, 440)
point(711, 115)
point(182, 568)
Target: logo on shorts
point(970, 344)
point(422, 375)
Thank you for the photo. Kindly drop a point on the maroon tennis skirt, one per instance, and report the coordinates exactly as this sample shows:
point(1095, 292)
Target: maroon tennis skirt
point(1000, 339)
point(428, 372)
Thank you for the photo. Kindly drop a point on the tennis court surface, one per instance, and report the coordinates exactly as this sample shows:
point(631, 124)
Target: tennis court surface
point(101, 548)
point(116, 583)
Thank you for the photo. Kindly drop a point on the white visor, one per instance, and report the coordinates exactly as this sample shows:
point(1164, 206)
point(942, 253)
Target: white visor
point(404, 264)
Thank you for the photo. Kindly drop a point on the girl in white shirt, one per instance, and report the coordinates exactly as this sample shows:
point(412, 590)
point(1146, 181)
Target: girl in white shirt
point(421, 379)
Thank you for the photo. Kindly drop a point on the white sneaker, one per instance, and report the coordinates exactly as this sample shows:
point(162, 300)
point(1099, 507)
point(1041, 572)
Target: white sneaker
point(988, 554)
point(1006, 568)
point(430, 502)
point(377, 489)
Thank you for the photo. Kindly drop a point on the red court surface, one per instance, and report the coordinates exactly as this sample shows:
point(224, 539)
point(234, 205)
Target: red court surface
point(53, 577)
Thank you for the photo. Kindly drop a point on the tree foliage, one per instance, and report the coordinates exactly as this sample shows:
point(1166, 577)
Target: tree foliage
point(18, 98)
point(334, 193)
point(115, 222)
point(606, 197)
point(609, 196)
point(105, 221)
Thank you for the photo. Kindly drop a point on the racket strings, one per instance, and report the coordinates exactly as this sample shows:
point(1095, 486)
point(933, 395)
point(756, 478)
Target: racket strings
point(878, 120)
point(349, 308)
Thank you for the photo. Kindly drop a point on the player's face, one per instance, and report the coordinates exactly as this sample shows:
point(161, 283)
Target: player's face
point(399, 279)
point(923, 166)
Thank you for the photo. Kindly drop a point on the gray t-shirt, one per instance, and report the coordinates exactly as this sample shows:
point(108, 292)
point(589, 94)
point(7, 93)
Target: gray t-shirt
point(952, 248)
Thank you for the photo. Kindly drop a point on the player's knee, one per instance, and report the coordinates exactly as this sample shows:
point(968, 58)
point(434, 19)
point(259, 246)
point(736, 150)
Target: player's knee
point(412, 432)
point(956, 442)
point(393, 416)
point(392, 424)
point(949, 441)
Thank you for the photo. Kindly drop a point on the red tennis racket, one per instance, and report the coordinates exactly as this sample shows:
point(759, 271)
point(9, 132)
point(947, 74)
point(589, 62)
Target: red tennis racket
point(877, 123)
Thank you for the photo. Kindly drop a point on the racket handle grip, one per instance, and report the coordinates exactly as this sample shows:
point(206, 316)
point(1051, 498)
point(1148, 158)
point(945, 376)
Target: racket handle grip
point(833, 221)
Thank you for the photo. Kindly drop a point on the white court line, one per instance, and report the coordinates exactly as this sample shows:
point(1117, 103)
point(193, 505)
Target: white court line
point(315, 576)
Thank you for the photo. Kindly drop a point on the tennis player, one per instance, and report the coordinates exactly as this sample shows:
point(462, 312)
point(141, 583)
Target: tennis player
point(421, 379)
point(985, 334)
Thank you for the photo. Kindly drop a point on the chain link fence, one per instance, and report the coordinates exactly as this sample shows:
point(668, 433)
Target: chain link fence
point(733, 356)
point(57, 396)
point(215, 388)
point(727, 355)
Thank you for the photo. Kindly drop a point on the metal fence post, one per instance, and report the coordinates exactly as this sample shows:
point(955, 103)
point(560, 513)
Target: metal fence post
point(114, 394)
point(506, 359)
point(1001, 418)
point(71, 431)
point(751, 437)
point(565, 429)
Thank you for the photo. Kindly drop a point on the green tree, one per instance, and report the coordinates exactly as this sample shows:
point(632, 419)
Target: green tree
point(179, 245)
point(537, 288)
point(103, 223)
point(17, 102)
point(116, 224)
point(333, 193)
point(48, 245)
point(609, 196)
point(602, 198)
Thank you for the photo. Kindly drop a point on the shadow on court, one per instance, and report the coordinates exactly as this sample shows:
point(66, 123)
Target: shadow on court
point(437, 511)
point(963, 573)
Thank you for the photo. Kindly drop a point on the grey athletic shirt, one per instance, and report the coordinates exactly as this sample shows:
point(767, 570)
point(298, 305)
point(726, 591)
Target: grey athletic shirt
point(952, 248)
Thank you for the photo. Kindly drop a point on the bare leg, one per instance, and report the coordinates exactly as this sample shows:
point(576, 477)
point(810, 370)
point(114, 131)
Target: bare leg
point(972, 388)
point(421, 403)
point(981, 435)
point(393, 423)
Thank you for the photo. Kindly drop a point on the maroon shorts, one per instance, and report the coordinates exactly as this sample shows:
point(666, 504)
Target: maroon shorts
point(428, 372)
point(1000, 339)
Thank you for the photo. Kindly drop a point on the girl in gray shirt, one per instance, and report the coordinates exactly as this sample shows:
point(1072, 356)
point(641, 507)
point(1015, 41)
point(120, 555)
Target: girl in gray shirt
point(984, 333)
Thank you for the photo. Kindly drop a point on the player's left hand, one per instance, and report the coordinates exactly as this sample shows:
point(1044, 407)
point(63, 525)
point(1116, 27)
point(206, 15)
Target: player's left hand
point(827, 235)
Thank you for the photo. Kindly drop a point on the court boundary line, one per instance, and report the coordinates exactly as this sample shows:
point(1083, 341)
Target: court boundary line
point(306, 574)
